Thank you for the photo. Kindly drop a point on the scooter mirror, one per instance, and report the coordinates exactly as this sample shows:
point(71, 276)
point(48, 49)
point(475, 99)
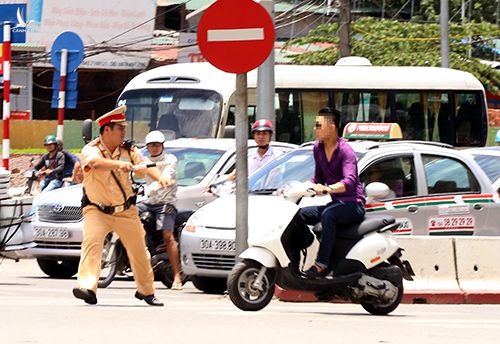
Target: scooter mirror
point(377, 190)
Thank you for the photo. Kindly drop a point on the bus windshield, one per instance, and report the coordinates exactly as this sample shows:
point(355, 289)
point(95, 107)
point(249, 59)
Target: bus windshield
point(175, 112)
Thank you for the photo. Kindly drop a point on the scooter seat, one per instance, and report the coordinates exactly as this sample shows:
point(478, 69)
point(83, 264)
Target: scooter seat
point(371, 223)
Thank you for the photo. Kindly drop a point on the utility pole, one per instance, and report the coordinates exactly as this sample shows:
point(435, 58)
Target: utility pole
point(344, 28)
point(445, 45)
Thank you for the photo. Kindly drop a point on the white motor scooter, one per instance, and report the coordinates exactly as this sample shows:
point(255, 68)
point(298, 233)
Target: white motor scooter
point(367, 268)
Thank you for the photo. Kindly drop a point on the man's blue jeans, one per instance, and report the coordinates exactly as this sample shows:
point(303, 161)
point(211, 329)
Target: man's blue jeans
point(50, 184)
point(333, 216)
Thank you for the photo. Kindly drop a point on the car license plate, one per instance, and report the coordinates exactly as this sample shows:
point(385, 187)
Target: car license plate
point(451, 222)
point(50, 233)
point(217, 245)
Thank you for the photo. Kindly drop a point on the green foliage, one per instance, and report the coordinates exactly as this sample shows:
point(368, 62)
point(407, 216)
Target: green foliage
point(392, 43)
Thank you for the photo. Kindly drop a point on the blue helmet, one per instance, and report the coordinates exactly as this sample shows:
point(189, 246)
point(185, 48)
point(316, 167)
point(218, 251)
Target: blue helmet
point(497, 137)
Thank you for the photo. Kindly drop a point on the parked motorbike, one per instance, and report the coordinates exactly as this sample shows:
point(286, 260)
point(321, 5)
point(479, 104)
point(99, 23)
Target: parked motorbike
point(366, 260)
point(115, 260)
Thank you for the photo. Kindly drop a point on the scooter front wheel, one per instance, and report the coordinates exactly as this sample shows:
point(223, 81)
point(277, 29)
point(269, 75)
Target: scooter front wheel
point(242, 289)
point(109, 261)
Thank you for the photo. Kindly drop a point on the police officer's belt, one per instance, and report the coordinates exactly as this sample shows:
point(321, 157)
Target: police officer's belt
point(111, 209)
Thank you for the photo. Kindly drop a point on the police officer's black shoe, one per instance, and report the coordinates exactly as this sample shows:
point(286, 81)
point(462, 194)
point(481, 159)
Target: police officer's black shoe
point(150, 299)
point(86, 295)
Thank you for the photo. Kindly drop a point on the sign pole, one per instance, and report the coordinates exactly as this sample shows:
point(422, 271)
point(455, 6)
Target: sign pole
point(62, 93)
point(6, 94)
point(265, 80)
point(241, 133)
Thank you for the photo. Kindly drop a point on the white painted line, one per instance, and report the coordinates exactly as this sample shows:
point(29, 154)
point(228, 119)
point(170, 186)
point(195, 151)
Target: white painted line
point(226, 35)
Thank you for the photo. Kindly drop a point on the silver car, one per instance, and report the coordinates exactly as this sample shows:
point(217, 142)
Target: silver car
point(58, 220)
point(489, 160)
point(435, 190)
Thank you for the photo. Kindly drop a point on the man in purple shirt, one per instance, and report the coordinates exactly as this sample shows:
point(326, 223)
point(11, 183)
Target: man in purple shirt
point(336, 173)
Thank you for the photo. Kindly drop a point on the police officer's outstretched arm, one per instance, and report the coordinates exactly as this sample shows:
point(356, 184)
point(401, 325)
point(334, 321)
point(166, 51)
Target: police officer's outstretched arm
point(102, 164)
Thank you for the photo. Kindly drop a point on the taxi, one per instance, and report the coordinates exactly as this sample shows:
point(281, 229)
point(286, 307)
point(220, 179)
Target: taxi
point(433, 190)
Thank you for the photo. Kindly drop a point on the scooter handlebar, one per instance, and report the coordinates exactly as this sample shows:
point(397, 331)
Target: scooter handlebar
point(149, 165)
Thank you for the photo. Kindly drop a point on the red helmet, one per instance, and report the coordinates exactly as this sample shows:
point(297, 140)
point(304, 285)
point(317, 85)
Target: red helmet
point(262, 125)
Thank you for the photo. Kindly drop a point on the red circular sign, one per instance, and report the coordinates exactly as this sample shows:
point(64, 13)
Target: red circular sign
point(235, 36)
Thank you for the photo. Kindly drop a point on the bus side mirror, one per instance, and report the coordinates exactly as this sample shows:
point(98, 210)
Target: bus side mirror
point(87, 131)
point(228, 132)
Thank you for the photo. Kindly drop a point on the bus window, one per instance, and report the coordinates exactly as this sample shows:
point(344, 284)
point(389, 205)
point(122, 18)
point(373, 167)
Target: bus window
point(288, 116)
point(232, 113)
point(312, 102)
point(467, 122)
point(436, 117)
point(410, 115)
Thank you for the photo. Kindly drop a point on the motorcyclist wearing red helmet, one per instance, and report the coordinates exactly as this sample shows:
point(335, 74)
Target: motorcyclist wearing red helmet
point(262, 131)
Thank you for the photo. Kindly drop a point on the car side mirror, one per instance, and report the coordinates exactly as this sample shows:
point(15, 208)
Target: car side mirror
point(87, 131)
point(377, 190)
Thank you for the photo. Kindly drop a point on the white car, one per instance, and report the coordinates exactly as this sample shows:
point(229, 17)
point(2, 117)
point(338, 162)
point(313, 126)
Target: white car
point(58, 219)
point(435, 191)
point(489, 160)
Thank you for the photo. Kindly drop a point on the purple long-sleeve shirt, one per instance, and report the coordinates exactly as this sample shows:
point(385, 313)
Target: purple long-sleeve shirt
point(343, 167)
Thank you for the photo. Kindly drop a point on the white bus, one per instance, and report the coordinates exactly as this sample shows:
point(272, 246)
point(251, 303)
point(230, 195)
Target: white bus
point(198, 100)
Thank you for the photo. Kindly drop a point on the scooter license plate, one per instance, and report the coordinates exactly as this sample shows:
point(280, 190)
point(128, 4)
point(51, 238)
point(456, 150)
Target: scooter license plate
point(217, 245)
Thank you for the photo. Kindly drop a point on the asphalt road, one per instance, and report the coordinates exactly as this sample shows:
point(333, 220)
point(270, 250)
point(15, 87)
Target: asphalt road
point(36, 309)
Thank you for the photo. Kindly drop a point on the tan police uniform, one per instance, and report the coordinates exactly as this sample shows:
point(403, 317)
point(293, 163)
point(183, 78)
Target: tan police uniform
point(102, 189)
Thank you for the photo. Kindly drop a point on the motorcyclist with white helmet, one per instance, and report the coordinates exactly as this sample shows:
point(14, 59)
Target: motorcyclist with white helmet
point(160, 200)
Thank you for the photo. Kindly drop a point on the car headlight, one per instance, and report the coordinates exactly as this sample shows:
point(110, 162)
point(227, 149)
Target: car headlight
point(194, 222)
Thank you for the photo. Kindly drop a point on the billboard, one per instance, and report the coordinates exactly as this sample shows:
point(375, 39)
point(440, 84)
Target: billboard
point(117, 34)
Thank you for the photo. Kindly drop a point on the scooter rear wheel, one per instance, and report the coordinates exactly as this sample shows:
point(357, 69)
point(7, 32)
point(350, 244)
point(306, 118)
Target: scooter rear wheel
point(241, 288)
point(385, 308)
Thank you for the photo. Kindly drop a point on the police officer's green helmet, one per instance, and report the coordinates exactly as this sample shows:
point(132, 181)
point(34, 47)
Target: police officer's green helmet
point(49, 139)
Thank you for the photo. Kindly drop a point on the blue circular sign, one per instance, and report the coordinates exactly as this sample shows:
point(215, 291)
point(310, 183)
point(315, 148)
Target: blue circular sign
point(74, 44)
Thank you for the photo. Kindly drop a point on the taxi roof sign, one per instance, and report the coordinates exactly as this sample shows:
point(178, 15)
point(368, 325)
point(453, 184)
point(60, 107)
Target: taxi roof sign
point(373, 131)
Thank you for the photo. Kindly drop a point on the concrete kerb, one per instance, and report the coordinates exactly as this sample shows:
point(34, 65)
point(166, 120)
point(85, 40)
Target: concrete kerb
point(478, 269)
point(433, 260)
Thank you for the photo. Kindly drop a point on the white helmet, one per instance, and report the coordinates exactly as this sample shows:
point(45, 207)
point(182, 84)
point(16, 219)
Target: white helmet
point(155, 136)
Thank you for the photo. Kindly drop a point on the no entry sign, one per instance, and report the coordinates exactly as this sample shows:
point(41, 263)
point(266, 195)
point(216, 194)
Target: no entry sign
point(235, 36)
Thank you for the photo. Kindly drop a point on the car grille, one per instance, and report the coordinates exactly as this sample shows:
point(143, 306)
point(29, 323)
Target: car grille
point(51, 213)
point(60, 245)
point(213, 261)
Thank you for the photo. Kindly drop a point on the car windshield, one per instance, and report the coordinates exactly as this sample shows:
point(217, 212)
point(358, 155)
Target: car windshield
point(490, 165)
point(297, 165)
point(193, 164)
point(175, 112)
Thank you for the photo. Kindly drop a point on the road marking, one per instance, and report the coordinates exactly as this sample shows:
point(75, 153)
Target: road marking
point(231, 35)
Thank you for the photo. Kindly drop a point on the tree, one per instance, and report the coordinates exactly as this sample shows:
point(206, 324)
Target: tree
point(428, 10)
point(388, 42)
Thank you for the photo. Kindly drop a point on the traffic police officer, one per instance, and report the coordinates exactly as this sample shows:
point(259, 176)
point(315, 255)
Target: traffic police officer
point(109, 205)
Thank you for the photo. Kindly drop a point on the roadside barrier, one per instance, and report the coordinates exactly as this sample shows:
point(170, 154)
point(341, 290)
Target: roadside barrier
point(449, 270)
point(478, 268)
point(433, 260)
